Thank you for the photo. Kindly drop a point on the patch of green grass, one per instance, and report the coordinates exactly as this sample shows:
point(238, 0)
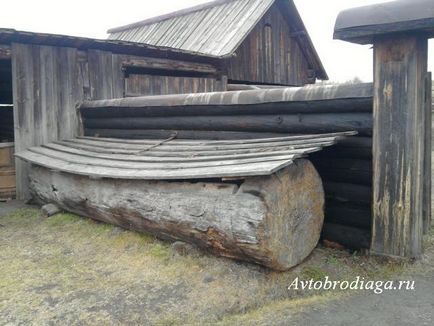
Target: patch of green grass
point(22, 215)
point(314, 273)
point(334, 260)
point(62, 219)
point(278, 312)
point(168, 321)
point(130, 239)
point(160, 251)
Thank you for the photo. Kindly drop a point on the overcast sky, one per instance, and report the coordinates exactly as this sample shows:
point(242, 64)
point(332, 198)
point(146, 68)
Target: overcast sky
point(343, 61)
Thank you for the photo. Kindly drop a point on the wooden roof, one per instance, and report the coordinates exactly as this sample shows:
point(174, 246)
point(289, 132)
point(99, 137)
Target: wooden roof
point(176, 159)
point(216, 28)
point(361, 25)
point(8, 36)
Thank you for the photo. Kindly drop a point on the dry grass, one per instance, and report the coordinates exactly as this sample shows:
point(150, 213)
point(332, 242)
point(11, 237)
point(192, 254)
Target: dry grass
point(68, 270)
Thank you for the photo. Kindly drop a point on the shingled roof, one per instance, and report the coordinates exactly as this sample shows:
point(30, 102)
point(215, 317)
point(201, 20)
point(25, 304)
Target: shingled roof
point(216, 28)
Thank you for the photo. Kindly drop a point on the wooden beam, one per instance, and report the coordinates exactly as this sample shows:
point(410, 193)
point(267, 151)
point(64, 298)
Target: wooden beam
point(166, 64)
point(349, 214)
point(296, 123)
point(304, 98)
point(399, 144)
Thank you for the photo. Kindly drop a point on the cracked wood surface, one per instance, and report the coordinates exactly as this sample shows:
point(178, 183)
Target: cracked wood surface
point(272, 220)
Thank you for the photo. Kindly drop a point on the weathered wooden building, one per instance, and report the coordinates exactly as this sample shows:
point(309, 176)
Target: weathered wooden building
point(263, 41)
point(43, 77)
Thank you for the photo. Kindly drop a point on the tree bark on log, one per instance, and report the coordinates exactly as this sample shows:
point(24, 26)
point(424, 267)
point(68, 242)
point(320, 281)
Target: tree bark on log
point(303, 107)
point(273, 221)
point(296, 123)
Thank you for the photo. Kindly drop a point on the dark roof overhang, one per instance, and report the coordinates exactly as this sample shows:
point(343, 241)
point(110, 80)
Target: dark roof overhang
point(362, 25)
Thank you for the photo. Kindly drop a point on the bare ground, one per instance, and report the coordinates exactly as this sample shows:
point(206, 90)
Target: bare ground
point(66, 270)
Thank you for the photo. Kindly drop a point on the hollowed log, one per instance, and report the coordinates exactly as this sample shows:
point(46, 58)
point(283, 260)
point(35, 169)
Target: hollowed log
point(274, 220)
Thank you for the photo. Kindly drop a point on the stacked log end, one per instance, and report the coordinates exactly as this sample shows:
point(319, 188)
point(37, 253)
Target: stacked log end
point(274, 221)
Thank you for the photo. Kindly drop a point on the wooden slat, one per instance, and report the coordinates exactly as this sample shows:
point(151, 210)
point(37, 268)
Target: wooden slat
point(91, 161)
point(101, 74)
point(182, 134)
point(185, 160)
point(197, 147)
point(224, 142)
point(22, 78)
point(253, 169)
point(191, 153)
point(162, 158)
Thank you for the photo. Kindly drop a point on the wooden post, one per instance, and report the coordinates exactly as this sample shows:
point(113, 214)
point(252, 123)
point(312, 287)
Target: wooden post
point(428, 159)
point(401, 184)
point(400, 70)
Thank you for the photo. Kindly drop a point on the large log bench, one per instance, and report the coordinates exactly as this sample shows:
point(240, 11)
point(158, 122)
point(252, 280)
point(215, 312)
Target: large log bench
point(256, 200)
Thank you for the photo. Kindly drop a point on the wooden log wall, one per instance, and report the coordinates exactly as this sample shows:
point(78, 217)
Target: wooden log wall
point(346, 169)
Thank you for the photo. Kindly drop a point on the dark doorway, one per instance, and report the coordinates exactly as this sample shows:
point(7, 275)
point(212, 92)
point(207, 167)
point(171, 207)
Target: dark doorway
point(6, 100)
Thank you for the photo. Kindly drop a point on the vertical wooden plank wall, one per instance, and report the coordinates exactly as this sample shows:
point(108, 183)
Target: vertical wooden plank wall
point(398, 145)
point(270, 59)
point(45, 95)
point(136, 85)
point(106, 76)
